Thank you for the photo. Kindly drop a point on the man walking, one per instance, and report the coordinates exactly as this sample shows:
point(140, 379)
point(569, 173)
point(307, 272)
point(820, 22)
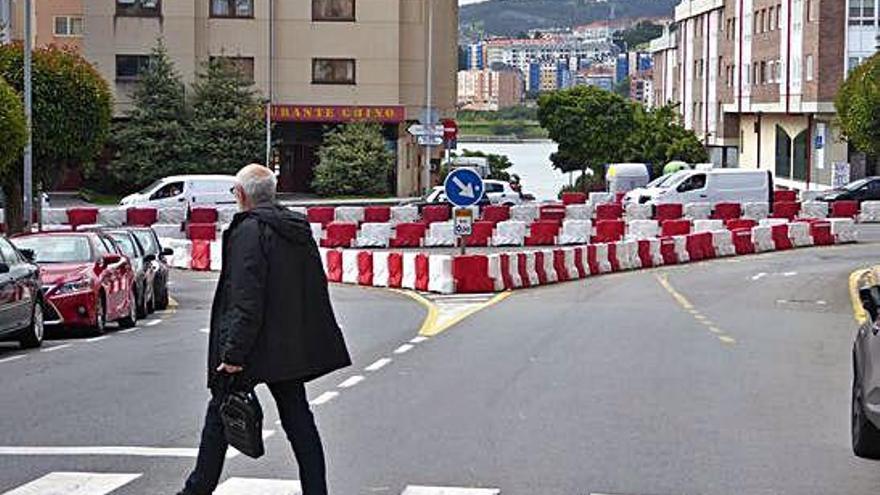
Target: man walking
point(271, 322)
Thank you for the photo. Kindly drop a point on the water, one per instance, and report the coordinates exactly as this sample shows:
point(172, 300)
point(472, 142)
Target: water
point(531, 161)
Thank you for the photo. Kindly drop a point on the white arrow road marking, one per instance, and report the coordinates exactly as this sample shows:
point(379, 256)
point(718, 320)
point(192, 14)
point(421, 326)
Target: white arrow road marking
point(441, 490)
point(74, 484)
point(242, 486)
point(466, 190)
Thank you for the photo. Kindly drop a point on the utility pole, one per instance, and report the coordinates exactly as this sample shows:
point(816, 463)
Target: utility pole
point(28, 187)
point(429, 114)
point(271, 86)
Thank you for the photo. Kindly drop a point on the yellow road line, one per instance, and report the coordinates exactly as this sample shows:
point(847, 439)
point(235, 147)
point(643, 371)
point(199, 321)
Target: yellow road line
point(433, 326)
point(663, 279)
point(855, 283)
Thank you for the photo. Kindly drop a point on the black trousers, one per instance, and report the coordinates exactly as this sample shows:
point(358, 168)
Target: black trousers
point(298, 424)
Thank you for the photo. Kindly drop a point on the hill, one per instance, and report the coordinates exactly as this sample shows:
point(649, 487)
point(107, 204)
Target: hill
point(511, 17)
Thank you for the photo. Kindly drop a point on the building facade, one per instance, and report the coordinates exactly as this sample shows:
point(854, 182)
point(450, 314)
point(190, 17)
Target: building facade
point(489, 90)
point(756, 80)
point(320, 62)
point(55, 22)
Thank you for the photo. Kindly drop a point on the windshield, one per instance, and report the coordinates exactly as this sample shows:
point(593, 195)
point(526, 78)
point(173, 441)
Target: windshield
point(57, 249)
point(661, 181)
point(147, 241)
point(854, 186)
point(125, 243)
point(150, 187)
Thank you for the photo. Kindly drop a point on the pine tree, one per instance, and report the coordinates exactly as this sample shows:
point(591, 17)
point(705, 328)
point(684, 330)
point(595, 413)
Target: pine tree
point(228, 119)
point(354, 161)
point(153, 142)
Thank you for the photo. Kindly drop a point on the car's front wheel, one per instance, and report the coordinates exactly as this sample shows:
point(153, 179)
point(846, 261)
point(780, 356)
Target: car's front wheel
point(130, 319)
point(160, 295)
point(100, 325)
point(865, 436)
point(33, 334)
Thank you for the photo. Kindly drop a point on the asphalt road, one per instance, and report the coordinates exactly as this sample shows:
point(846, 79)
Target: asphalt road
point(726, 377)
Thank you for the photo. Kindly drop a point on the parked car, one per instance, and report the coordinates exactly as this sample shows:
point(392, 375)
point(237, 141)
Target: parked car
point(144, 270)
point(867, 189)
point(21, 308)
point(497, 192)
point(711, 186)
point(86, 281)
point(152, 247)
point(185, 190)
point(866, 379)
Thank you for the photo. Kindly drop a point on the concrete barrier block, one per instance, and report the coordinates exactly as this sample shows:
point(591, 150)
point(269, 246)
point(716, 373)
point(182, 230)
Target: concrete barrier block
point(643, 229)
point(697, 211)
point(525, 213)
point(870, 212)
point(814, 209)
point(173, 214)
point(578, 212)
point(639, 212)
point(756, 211)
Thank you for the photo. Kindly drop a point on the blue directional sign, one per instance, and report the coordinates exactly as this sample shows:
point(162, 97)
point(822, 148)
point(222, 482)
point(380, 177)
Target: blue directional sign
point(464, 187)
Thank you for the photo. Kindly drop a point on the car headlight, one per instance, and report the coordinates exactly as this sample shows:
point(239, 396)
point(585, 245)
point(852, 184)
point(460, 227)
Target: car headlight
point(74, 286)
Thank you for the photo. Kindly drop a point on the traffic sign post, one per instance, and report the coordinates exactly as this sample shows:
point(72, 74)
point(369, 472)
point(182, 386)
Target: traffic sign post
point(464, 188)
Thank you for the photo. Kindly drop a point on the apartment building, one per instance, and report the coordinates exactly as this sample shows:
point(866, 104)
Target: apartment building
point(756, 80)
point(489, 90)
point(55, 22)
point(321, 62)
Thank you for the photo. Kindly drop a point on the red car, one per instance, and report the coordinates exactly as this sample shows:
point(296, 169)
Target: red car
point(85, 278)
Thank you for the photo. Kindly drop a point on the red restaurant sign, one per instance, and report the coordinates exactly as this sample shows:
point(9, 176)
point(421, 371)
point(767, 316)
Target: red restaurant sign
point(337, 113)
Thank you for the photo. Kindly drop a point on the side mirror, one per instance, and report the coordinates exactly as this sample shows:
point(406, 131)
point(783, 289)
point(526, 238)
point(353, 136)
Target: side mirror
point(28, 254)
point(4, 268)
point(110, 259)
point(167, 252)
point(150, 258)
point(870, 297)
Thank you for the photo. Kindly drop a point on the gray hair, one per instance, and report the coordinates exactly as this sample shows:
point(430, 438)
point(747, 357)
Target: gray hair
point(258, 183)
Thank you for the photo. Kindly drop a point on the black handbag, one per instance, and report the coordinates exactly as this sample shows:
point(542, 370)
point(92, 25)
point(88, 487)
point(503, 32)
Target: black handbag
point(242, 418)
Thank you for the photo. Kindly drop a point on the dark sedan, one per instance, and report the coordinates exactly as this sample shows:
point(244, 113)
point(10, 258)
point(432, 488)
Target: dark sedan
point(867, 189)
point(866, 379)
point(144, 270)
point(150, 242)
point(21, 308)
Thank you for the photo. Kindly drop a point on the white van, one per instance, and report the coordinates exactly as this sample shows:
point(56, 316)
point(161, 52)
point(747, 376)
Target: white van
point(185, 190)
point(713, 186)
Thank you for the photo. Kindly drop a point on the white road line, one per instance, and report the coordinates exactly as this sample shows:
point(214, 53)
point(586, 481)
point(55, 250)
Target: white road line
point(351, 382)
point(112, 451)
point(74, 484)
point(789, 274)
point(238, 486)
point(98, 339)
point(443, 490)
point(403, 349)
point(378, 365)
point(129, 330)
point(418, 340)
point(324, 398)
point(727, 340)
point(759, 276)
point(11, 358)
point(205, 330)
point(152, 323)
point(55, 348)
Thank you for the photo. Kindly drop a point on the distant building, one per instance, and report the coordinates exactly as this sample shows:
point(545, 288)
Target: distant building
point(621, 68)
point(476, 56)
point(489, 90)
point(533, 84)
point(640, 90)
point(563, 75)
point(549, 75)
point(665, 73)
point(601, 81)
point(56, 22)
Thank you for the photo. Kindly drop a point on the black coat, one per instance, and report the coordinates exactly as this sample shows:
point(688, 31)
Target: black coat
point(272, 311)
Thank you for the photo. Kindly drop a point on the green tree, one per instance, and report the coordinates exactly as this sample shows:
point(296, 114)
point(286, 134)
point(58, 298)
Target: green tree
point(858, 107)
point(353, 161)
point(228, 128)
point(640, 34)
point(659, 138)
point(72, 109)
point(12, 126)
point(498, 164)
point(153, 141)
point(589, 125)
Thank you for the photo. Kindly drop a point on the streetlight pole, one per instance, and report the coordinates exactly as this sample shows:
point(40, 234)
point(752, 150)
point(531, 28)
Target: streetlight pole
point(429, 114)
point(271, 87)
point(28, 188)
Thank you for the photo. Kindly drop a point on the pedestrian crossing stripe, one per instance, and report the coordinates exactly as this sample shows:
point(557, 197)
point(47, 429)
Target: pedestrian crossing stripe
point(73, 483)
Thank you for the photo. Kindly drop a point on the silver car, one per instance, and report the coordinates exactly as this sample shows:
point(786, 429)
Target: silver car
point(866, 379)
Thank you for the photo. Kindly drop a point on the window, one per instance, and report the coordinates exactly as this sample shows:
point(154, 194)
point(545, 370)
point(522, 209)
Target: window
point(695, 182)
point(68, 26)
point(242, 9)
point(333, 10)
point(757, 22)
point(129, 67)
point(809, 67)
point(139, 8)
point(748, 73)
point(243, 65)
point(10, 255)
point(169, 190)
point(333, 71)
point(779, 16)
point(853, 63)
point(812, 10)
point(778, 70)
point(770, 71)
point(861, 12)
